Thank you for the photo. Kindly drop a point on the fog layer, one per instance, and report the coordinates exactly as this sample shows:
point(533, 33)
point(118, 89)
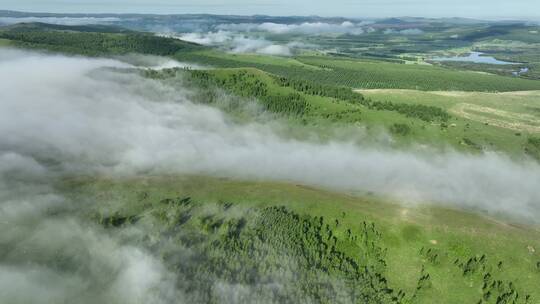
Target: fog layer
point(240, 43)
point(307, 28)
point(74, 116)
point(67, 116)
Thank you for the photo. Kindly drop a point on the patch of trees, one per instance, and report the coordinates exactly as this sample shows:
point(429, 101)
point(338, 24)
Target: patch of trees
point(98, 43)
point(400, 129)
point(468, 142)
point(160, 74)
point(312, 88)
point(532, 147)
point(245, 84)
point(534, 141)
point(432, 255)
point(422, 112)
point(275, 254)
point(349, 115)
point(424, 281)
point(118, 220)
point(493, 290)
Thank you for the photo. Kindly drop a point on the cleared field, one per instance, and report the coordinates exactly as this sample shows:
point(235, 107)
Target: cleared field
point(4, 42)
point(519, 111)
point(499, 118)
point(490, 121)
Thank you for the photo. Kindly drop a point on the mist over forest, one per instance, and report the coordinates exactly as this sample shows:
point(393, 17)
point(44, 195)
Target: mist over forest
point(103, 120)
point(259, 159)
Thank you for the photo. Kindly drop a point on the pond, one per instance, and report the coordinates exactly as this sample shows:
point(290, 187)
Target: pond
point(476, 57)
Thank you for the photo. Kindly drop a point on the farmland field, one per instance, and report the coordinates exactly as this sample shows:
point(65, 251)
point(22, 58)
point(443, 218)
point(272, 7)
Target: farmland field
point(371, 74)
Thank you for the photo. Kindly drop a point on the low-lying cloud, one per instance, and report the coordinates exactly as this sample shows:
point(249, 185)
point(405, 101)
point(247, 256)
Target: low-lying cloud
point(67, 116)
point(239, 43)
point(48, 254)
point(86, 119)
point(250, 37)
point(306, 28)
point(413, 31)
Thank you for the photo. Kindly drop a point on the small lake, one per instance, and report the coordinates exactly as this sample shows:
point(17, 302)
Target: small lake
point(476, 57)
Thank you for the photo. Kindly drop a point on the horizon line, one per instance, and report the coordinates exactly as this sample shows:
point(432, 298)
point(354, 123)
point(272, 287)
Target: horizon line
point(493, 18)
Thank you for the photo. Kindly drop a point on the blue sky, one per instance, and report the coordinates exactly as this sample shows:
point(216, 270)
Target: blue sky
point(349, 8)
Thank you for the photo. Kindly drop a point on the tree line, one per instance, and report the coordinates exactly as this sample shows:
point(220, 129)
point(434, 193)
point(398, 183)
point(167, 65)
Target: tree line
point(422, 112)
point(97, 43)
point(245, 84)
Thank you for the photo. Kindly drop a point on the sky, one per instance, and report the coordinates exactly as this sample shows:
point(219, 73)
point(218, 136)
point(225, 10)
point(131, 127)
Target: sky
point(490, 9)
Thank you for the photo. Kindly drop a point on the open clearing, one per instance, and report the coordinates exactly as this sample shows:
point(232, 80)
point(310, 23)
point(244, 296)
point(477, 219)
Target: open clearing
point(503, 119)
point(518, 111)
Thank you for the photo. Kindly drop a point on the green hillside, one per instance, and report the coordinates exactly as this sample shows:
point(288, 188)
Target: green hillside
point(320, 244)
point(355, 73)
point(224, 239)
point(93, 41)
point(368, 74)
point(412, 117)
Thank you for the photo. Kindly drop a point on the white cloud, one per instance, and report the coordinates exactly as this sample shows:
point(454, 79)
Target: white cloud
point(275, 50)
point(237, 43)
point(404, 32)
point(210, 38)
point(309, 28)
point(411, 32)
point(243, 37)
point(96, 266)
point(79, 117)
point(73, 118)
